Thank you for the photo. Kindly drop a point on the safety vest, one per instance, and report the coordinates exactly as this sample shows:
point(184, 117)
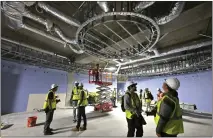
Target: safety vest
point(85, 101)
point(135, 103)
point(175, 124)
point(75, 93)
point(46, 102)
point(113, 94)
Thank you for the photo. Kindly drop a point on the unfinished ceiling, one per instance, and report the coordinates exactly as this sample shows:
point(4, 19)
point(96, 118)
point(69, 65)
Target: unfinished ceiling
point(140, 38)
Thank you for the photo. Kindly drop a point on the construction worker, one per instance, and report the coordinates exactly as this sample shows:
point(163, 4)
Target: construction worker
point(169, 116)
point(113, 98)
point(74, 100)
point(49, 107)
point(82, 103)
point(148, 98)
point(133, 111)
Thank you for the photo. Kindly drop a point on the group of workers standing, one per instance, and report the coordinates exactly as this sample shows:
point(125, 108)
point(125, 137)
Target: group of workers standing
point(168, 115)
point(79, 102)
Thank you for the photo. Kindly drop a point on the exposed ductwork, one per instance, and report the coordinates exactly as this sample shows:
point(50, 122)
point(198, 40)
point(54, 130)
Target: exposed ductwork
point(143, 5)
point(174, 13)
point(103, 5)
point(12, 9)
point(59, 14)
point(183, 48)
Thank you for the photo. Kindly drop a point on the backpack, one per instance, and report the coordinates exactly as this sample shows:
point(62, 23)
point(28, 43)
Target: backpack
point(122, 102)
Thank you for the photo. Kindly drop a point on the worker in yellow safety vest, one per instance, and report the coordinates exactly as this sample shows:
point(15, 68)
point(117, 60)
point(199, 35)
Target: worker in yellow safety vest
point(49, 107)
point(82, 103)
point(133, 111)
point(74, 100)
point(148, 99)
point(169, 115)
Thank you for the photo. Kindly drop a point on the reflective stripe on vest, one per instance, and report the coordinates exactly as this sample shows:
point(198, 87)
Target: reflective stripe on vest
point(85, 101)
point(135, 104)
point(46, 103)
point(75, 93)
point(175, 124)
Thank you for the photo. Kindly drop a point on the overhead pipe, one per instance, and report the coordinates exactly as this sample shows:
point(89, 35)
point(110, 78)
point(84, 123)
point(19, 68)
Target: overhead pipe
point(11, 9)
point(174, 13)
point(103, 5)
point(27, 27)
point(143, 5)
point(183, 48)
point(59, 14)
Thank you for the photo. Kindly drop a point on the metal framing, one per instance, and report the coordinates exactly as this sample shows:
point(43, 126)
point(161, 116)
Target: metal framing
point(90, 24)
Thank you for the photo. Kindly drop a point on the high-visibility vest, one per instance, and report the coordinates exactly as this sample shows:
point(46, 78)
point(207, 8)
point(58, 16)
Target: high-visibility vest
point(113, 94)
point(76, 93)
point(136, 103)
point(175, 124)
point(85, 101)
point(46, 102)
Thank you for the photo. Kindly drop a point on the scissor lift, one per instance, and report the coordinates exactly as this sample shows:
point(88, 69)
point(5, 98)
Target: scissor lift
point(105, 80)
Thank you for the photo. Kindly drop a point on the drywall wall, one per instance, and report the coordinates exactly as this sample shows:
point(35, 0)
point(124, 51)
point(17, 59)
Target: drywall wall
point(195, 88)
point(24, 87)
point(18, 81)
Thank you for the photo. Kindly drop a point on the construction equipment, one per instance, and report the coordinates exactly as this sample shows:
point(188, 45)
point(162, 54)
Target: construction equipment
point(104, 81)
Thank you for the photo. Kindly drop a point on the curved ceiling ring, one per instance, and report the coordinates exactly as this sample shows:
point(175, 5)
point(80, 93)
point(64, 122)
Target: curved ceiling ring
point(122, 14)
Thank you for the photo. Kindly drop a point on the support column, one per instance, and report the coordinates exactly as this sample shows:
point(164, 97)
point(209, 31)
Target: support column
point(71, 80)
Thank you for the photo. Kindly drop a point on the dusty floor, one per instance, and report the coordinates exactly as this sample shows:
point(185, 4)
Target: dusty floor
point(100, 124)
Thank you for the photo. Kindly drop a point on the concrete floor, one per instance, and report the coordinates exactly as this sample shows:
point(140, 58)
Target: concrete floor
point(99, 124)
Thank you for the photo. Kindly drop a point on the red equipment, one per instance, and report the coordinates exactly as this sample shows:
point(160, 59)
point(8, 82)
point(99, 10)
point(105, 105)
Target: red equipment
point(31, 121)
point(104, 80)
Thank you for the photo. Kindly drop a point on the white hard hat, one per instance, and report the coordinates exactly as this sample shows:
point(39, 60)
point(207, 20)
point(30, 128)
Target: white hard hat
point(158, 89)
point(76, 82)
point(131, 83)
point(173, 83)
point(54, 86)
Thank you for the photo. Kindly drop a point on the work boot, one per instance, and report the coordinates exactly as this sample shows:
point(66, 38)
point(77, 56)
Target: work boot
point(50, 129)
point(75, 129)
point(83, 128)
point(48, 133)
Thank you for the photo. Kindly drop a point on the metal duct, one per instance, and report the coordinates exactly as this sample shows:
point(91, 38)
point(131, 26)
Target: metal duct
point(50, 37)
point(174, 13)
point(143, 5)
point(183, 48)
point(14, 17)
point(17, 9)
point(103, 5)
point(48, 24)
point(59, 32)
point(58, 14)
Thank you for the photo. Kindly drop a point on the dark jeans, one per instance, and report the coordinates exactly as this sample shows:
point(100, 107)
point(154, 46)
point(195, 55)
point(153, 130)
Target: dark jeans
point(132, 125)
point(167, 135)
point(75, 112)
point(81, 113)
point(49, 119)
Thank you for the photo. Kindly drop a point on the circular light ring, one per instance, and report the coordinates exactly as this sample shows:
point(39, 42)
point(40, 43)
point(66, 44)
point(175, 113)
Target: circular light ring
point(122, 14)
